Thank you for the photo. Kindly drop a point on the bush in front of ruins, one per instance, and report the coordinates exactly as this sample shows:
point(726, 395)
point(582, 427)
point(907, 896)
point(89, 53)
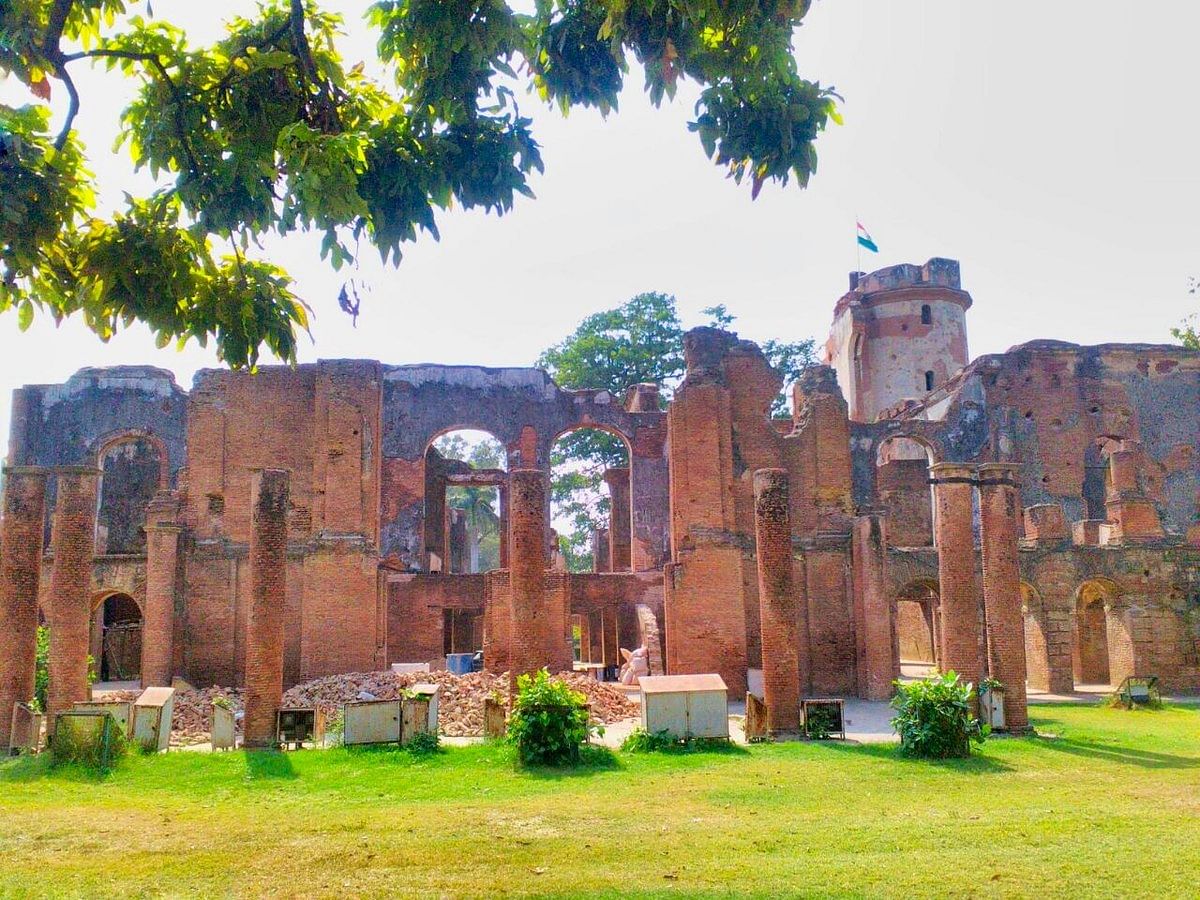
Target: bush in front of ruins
point(97, 748)
point(549, 721)
point(934, 717)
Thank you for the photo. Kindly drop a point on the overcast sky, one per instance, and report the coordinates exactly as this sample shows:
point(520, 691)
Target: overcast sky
point(1050, 147)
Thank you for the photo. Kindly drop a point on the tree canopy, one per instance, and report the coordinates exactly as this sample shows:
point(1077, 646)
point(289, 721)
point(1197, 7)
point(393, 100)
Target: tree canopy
point(269, 130)
point(639, 341)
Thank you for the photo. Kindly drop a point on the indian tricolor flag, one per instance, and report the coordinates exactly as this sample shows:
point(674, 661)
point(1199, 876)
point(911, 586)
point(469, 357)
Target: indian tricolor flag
point(864, 239)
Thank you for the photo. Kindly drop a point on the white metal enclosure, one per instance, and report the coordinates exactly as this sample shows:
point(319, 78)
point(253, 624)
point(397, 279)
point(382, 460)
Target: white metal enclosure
point(685, 705)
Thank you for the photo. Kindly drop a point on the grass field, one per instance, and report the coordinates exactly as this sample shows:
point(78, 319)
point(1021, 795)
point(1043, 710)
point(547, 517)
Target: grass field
point(1110, 807)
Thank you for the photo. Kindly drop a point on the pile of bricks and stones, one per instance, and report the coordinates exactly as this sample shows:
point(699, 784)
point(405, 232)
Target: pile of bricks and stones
point(460, 703)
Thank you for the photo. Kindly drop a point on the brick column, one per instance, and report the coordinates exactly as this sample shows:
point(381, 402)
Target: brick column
point(527, 571)
point(162, 553)
point(999, 509)
point(619, 531)
point(20, 572)
point(610, 626)
point(784, 661)
point(878, 645)
point(69, 610)
point(953, 488)
point(268, 583)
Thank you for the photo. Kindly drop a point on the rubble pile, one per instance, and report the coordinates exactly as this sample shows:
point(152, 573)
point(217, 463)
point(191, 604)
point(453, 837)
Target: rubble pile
point(460, 703)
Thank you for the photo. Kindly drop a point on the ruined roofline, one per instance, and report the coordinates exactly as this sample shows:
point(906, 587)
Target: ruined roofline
point(915, 407)
point(466, 375)
point(937, 273)
point(1053, 345)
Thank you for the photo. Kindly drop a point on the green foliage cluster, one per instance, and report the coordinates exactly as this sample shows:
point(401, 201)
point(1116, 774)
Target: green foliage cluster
point(549, 722)
point(934, 717)
point(1188, 332)
point(423, 744)
point(642, 741)
point(41, 671)
point(820, 722)
point(95, 748)
point(268, 130)
point(637, 342)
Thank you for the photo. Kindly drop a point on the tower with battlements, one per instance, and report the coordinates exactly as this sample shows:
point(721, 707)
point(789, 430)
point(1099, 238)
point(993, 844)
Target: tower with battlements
point(898, 334)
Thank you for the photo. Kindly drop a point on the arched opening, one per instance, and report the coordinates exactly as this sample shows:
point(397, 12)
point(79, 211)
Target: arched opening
point(590, 500)
point(116, 637)
point(1090, 643)
point(1096, 476)
point(133, 470)
point(1037, 640)
point(465, 480)
point(930, 380)
point(926, 314)
point(916, 627)
point(902, 485)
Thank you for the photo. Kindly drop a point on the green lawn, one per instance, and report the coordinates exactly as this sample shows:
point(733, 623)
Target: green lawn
point(1110, 807)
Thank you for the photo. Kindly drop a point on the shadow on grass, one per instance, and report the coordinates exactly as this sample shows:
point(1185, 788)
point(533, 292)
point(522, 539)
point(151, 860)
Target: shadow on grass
point(593, 760)
point(1144, 759)
point(975, 764)
point(273, 765)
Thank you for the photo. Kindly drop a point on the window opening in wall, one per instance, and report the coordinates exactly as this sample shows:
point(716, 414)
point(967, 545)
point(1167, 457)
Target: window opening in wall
point(929, 381)
point(926, 315)
point(117, 639)
point(586, 466)
point(464, 471)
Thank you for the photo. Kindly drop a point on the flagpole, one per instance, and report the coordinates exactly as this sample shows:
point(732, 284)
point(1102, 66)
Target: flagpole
point(857, 247)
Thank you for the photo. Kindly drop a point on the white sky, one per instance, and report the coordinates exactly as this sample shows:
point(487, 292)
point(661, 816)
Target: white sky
point(1050, 147)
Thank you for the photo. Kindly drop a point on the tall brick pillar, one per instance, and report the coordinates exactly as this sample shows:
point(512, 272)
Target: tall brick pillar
point(619, 531)
point(874, 621)
point(531, 630)
point(999, 509)
point(953, 488)
point(162, 554)
point(69, 601)
point(784, 659)
point(268, 583)
point(20, 571)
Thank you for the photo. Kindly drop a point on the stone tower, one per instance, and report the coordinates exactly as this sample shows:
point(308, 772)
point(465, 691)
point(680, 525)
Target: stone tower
point(897, 334)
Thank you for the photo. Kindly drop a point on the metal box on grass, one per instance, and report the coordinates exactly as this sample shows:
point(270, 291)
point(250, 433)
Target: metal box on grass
point(685, 706)
point(152, 717)
point(371, 722)
point(120, 710)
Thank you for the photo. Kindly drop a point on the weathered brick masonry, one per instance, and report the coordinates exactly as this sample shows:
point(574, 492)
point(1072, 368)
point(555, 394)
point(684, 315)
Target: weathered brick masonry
point(268, 588)
point(20, 570)
point(1097, 578)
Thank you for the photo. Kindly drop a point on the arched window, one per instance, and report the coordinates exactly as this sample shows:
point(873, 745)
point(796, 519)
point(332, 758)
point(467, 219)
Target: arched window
point(929, 380)
point(926, 314)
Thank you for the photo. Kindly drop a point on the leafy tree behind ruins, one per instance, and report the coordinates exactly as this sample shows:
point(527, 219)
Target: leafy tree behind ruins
point(270, 130)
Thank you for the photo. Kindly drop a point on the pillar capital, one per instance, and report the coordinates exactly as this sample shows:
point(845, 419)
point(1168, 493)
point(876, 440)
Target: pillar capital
point(999, 473)
point(953, 473)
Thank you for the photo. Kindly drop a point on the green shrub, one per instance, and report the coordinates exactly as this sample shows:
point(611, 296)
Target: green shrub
point(934, 717)
point(41, 670)
point(423, 743)
point(549, 721)
point(820, 722)
point(642, 741)
point(81, 744)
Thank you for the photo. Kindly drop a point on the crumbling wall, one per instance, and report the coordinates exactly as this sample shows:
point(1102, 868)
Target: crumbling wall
point(526, 412)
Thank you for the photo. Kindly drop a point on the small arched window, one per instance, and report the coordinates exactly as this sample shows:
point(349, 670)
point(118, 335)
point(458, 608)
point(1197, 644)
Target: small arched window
point(929, 381)
point(926, 314)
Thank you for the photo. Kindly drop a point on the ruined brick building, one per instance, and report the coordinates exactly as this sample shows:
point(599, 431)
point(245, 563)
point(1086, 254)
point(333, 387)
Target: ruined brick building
point(1036, 511)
